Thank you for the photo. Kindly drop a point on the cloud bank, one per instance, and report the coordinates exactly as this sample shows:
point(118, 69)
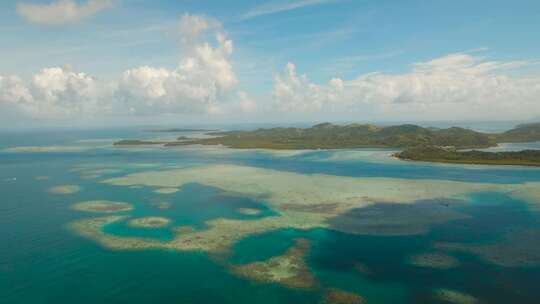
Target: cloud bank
point(455, 86)
point(61, 11)
point(203, 78)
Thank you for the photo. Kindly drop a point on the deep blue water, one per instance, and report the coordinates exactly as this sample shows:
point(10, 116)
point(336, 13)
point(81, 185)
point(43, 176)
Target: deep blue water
point(41, 261)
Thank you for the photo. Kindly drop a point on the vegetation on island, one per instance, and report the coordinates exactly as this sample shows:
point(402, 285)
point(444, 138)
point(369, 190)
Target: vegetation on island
point(521, 133)
point(419, 143)
point(173, 130)
point(330, 136)
point(137, 142)
point(449, 155)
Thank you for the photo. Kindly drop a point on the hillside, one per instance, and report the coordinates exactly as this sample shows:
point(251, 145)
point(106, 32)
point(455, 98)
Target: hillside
point(330, 136)
point(438, 154)
point(521, 133)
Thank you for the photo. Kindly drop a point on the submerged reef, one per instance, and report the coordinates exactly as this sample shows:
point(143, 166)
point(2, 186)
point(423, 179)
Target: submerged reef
point(102, 206)
point(149, 222)
point(161, 205)
point(454, 297)
point(217, 238)
point(396, 219)
point(65, 189)
point(363, 269)
point(338, 296)
point(518, 248)
point(378, 206)
point(433, 260)
point(289, 269)
point(42, 177)
point(309, 192)
point(44, 149)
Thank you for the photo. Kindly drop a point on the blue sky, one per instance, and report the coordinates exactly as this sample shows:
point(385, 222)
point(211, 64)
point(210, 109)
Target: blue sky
point(323, 39)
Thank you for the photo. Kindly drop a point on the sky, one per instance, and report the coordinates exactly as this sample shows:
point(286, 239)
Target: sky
point(122, 62)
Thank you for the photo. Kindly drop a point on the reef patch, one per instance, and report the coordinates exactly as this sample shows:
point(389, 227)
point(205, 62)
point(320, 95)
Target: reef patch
point(249, 211)
point(102, 206)
point(338, 296)
point(149, 222)
point(454, 297)
point(289, 269)
point(166, 190)
point(396, 219)
point(518, 248)
point(433, 260)
point(161, 205)
point(65, 189)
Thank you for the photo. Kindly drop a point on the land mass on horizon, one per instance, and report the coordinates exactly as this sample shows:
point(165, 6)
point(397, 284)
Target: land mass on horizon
point(419, 143)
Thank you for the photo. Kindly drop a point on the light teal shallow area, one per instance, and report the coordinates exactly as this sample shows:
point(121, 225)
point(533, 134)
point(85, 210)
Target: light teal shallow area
point(42, 260)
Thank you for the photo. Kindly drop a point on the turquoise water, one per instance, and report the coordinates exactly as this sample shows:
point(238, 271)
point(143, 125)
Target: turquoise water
point(41, 261)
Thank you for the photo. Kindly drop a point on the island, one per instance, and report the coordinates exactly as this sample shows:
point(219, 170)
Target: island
point(174, 130)
point(417, 143)
point(451, 155)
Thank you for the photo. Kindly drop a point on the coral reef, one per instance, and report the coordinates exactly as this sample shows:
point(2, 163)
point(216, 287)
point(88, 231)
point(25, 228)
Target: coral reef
point(289, 269)
point(102, 206)
point(454, 297)
point(161, 205)
point(149, 222)
point(338, 296)
point(518, 248)
point(166, 190)
point(433, 260)
point(65, 189)
point(249, 211)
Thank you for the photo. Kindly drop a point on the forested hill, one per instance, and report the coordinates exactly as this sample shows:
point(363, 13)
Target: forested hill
point(331, 136)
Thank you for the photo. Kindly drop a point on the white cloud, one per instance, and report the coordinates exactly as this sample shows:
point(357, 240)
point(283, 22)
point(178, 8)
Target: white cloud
point(294, 92)
point(53, 93)
point(246, 103)
point(61, 11)
point(282, 6)
point(204, 75)
point(203, 79)
point(456, 86)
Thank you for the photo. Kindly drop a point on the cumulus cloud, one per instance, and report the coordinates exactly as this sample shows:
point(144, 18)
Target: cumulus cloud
point(53, 93)
point(451, 87)
point(246, 103)
point(294, 92)
point(203, 76)
point(61, 11)
point(202, 80)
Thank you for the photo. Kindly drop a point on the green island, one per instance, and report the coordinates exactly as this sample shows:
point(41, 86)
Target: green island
point(451, 155)
point(419, 143)
point(173, 130)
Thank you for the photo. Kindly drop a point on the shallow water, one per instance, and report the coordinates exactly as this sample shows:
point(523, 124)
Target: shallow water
point(42, 261)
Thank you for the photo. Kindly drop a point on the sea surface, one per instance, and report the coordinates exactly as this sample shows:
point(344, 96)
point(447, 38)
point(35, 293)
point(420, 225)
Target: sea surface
point(43, 261)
